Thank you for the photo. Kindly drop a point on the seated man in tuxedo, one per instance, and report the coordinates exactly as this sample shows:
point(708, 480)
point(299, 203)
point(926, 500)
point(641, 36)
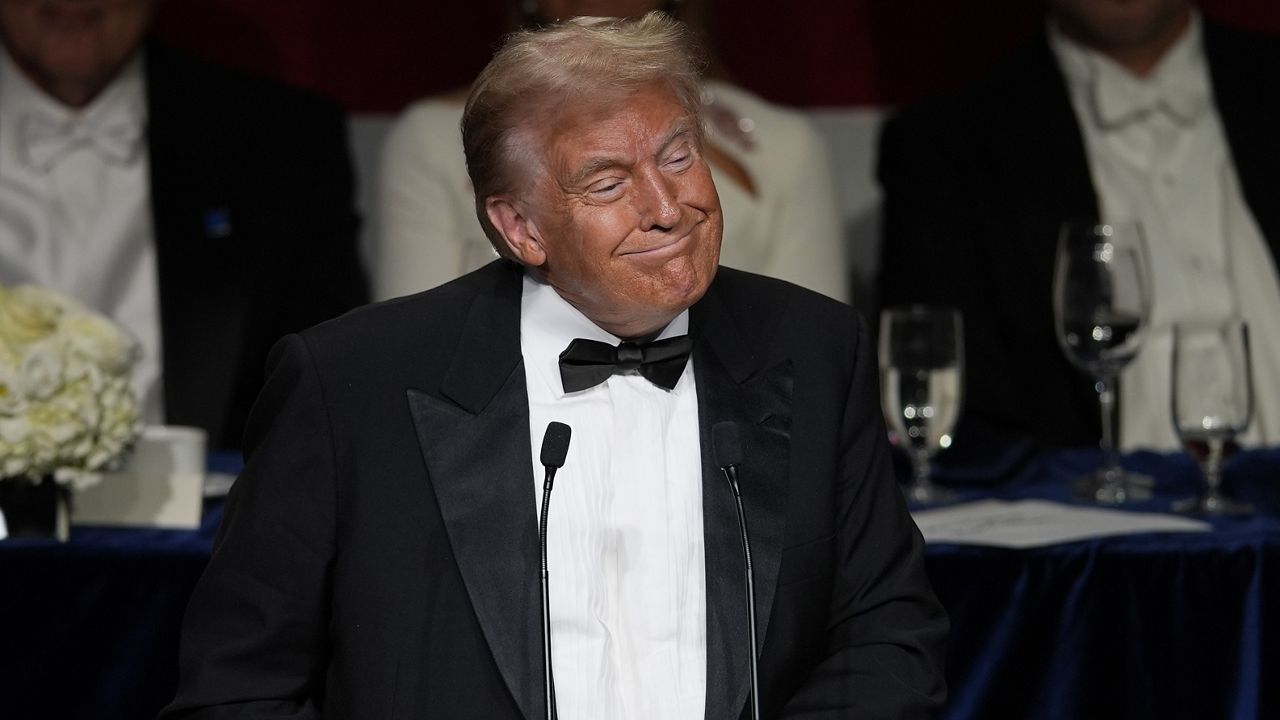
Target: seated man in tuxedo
point(1136, 109)
point(379, 556)
point(206, 212)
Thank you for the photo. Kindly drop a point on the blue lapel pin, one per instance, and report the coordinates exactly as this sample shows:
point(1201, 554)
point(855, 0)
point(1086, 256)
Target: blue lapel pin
point(217, 223)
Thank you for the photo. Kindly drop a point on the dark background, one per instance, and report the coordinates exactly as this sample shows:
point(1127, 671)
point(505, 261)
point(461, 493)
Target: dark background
point(374, 56)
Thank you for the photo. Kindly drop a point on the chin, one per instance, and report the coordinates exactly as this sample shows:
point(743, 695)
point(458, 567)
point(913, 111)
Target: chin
point(686, 285)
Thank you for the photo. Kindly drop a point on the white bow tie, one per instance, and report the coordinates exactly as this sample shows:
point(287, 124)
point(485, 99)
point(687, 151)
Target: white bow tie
point(46, 140)
point(1119, 99)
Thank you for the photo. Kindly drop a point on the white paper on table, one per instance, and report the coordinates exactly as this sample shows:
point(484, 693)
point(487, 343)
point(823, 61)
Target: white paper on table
point(1036, 523)
point(161, 484)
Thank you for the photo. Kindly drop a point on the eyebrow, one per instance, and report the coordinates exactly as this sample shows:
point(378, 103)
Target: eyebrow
point(596, 164)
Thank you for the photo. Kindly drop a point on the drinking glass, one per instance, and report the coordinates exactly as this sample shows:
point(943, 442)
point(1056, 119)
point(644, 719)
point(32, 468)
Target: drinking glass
point(921, 351)
point(1212, 400)
point(1101, 304)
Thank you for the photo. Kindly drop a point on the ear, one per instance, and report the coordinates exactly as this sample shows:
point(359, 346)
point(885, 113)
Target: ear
point(519, 232)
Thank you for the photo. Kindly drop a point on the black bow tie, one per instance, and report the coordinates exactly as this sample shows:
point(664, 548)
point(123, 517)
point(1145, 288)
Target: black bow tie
point(587, 363)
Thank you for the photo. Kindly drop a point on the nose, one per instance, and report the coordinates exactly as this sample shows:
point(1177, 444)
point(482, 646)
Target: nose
point(659, 201)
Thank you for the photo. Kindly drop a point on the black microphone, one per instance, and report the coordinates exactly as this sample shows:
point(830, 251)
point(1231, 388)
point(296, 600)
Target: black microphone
point(728, 452)
point(555, 446)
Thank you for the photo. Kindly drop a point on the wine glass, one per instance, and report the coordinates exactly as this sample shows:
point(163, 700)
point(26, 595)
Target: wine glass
point(1212, 400)
point(920, 364)
point(1102, 304)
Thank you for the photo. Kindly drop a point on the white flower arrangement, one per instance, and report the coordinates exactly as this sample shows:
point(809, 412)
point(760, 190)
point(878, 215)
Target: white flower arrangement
point(67, 409)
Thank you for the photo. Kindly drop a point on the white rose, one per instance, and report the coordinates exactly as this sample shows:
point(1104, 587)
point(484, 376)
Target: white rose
point(81, 372)
point(17, 457)
point(66, 406)
point(56, 429)
point(41, 371)
point(98, 341)
point(79, 399)
point(28, 313)
point(9, 355)
point(13, 399)
point(121, 423)
point(14, 430)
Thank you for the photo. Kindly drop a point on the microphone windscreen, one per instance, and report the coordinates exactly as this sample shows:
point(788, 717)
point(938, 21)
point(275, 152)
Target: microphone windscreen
point(725, 445)
point(555, 444)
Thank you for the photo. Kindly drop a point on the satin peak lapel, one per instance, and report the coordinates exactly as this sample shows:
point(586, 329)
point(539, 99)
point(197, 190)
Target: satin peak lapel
point(475, 441)
point(759, 401)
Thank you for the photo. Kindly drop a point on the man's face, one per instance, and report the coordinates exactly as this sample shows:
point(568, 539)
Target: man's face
point(1116, 24)
point(65, 45)
point(626, 212)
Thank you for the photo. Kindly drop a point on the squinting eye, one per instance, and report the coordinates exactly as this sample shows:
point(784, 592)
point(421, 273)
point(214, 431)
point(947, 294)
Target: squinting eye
point(606, 189)
point(680, 159)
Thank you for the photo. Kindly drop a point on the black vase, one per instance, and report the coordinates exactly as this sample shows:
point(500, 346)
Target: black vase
point(35, 509)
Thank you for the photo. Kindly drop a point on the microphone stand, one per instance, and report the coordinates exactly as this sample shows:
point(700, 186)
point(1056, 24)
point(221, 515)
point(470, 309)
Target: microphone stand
point(728, 453)
point(731, 474)
point(546, 595)
point(555, 447)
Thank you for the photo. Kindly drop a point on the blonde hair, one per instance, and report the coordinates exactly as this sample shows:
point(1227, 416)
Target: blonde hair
point(539, 72)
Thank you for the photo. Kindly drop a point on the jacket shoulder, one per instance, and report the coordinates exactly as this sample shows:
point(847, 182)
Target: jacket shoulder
point(769, 312)
point(425, 323)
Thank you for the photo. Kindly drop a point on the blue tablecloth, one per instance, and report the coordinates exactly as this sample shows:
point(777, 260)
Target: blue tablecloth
point(1142, 626)
point(89, 628)
point(1157, 625)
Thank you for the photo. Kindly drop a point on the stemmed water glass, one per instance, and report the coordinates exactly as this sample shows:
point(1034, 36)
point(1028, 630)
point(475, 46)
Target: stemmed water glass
point(1212, 402)
point(921, 351)
point(1102, 304)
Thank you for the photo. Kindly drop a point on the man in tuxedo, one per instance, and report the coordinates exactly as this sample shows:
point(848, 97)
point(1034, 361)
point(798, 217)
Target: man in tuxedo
point(1137, 109)
point(379, 556)
point(206, 212)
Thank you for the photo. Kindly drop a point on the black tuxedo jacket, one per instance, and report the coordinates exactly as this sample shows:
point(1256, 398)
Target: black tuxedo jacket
point(379, 555)
point(255, 230)
point(976, 185)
